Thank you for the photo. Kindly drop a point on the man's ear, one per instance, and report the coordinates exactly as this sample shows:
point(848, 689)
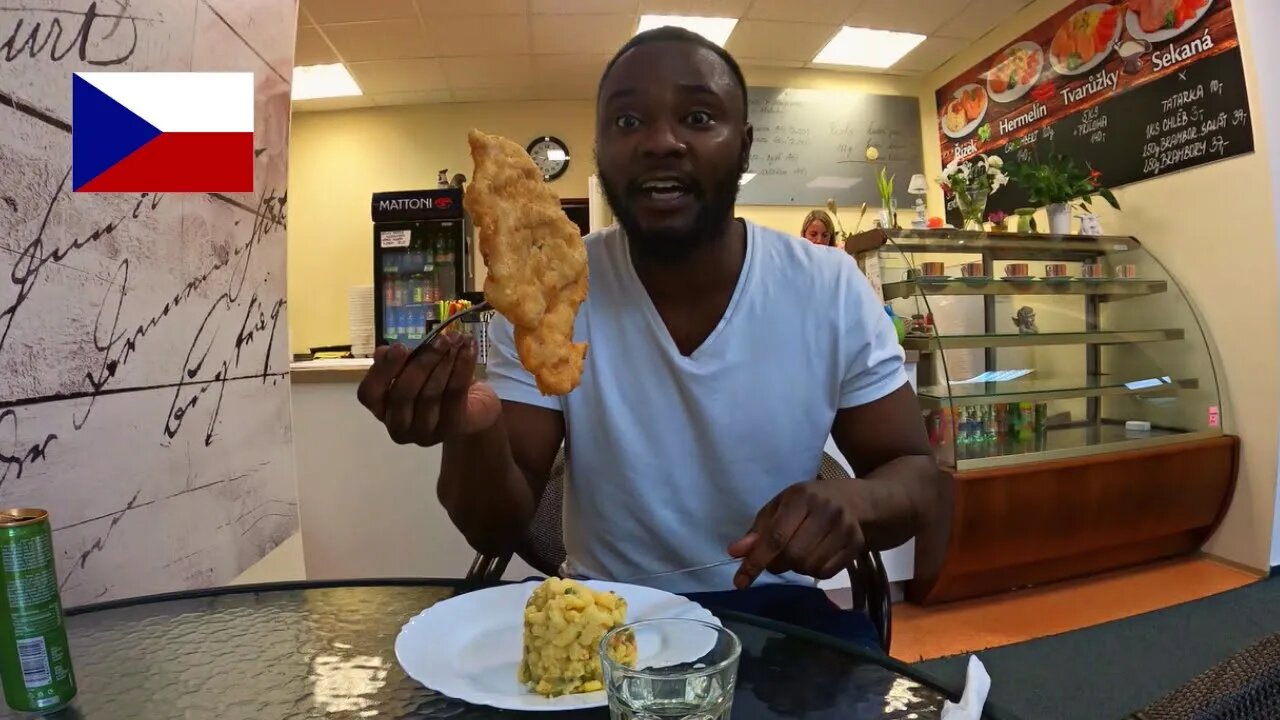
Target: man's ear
point(748, 139)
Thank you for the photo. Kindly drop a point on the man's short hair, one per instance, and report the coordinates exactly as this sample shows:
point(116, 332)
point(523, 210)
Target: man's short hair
point(671, 33)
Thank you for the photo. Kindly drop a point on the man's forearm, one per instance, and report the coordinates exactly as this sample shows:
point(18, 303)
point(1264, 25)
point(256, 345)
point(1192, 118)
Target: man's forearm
point(486, 494)
point(897, 498)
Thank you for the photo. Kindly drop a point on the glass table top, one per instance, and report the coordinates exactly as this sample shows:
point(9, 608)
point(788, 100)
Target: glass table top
point(307, 652)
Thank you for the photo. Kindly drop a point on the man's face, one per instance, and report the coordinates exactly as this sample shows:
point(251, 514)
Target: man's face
point(672, 143)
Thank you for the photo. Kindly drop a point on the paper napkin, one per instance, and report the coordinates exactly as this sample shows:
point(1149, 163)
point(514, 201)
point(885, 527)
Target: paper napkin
point(977, 683)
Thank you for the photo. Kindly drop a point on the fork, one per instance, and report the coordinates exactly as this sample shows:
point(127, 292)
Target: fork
point(667, 573)
point(426, 341)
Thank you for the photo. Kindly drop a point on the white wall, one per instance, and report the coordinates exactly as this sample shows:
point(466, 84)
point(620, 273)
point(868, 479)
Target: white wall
point(369, 506)
point(143, 351)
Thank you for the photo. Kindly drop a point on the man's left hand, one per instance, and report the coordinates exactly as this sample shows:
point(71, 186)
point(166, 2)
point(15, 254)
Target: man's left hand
point(811, 528)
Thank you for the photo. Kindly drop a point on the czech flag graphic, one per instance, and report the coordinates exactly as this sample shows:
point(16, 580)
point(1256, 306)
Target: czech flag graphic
point(162, 132)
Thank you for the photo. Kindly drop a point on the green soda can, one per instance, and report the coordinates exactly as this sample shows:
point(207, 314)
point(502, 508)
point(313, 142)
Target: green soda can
point(35, 661)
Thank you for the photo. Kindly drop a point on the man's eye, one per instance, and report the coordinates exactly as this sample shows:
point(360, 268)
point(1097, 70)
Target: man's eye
point(627, 122)
point(698, 117)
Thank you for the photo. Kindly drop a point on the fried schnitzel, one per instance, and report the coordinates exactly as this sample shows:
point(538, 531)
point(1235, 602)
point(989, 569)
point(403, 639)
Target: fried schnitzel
point(535, 256)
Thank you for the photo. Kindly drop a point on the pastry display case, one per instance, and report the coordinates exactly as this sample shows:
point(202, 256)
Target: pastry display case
point(1071, 397)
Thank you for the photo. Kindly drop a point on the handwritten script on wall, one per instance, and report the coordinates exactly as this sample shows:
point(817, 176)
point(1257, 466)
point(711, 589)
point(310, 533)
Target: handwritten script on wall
point(144, 398)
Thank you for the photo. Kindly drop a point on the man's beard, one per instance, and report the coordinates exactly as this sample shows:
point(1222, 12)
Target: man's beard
point(672, 245)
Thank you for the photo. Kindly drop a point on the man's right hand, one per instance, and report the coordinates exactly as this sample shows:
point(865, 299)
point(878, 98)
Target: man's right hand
point(433, 397)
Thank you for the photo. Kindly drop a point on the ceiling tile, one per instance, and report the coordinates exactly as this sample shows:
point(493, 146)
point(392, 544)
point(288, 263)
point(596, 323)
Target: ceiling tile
point(697, 8)
point(454, 8)
point(488, 72)
point(312, 48)
point(915, 16)
point(979, 18)
point(759, 40)
point(339, 11)
point(478, 35)
point(814, 11)
point(572, 70)
point(567, 34)
point(767, 63)
point(304, 18)
point(384, 40)
point(338, 103)
point(502, 94)
point(413, 98)
point(386, 76)
point(930, 54)
point(565, 92)
point(574, 7)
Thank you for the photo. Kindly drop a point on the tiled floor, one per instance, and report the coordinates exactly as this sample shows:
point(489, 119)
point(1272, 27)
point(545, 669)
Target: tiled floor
point(921, 633)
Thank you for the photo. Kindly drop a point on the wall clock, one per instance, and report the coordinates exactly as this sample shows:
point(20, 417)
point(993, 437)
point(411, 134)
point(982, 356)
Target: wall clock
point(551, 156)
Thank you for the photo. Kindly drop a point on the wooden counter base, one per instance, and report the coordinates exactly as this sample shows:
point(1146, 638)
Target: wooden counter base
point(1020, 526)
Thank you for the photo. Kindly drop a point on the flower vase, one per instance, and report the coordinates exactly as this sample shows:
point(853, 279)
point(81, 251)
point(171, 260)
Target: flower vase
point(1059, 219)
point(972, 203)
point(889, 214)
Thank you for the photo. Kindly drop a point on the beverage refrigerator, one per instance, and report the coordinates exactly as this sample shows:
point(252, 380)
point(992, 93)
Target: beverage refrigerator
point(421, 257)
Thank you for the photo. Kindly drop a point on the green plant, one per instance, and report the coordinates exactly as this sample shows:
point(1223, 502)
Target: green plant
point(1060, 180)
point(884, 181)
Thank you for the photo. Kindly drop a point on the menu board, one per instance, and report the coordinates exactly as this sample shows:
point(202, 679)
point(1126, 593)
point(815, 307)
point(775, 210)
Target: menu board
point(1134, 89)
point(811, 145)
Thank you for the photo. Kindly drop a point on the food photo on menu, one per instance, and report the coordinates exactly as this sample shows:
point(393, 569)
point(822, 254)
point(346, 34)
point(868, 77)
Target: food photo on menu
point(1131, 88)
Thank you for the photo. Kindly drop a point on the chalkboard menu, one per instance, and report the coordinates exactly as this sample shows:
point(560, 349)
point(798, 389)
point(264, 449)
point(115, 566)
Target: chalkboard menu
point(1135, 89)
point(811, 145)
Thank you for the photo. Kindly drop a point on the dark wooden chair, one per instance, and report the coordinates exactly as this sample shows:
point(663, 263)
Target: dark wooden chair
point(543, 549)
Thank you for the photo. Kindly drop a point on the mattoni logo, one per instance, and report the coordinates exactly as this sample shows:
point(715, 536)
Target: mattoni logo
point(405, 204)
point(444, 203)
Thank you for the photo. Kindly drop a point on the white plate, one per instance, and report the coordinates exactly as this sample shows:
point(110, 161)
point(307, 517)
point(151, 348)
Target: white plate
point(468, 647)
point(1017, 91)
point(1135, 28)
point(1097, 57)
point(973, 124)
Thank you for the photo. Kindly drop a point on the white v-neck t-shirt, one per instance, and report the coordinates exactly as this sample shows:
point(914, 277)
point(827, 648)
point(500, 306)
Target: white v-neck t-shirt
point(671, 457)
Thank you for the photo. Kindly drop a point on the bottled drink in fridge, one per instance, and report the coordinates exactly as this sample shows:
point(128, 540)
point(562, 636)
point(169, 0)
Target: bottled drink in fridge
point(414, 331)
point(438, 249)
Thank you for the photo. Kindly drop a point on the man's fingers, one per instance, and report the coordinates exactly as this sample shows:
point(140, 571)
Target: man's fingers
point(403, 395)
point(426, 410)
point(741, 548)
point(832, 555)
point(775, 533)
point(372, 392)
point(453, 400)
point(801, 553)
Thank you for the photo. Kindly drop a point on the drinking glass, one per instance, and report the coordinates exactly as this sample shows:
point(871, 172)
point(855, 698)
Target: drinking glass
point(687, 670)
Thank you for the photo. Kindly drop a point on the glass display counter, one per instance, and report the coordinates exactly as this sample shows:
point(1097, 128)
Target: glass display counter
point(1046, 357)
point(1045, 348)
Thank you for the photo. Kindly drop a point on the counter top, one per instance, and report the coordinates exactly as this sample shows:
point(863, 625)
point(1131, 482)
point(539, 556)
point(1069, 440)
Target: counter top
point(352, 370)
point(348, 370)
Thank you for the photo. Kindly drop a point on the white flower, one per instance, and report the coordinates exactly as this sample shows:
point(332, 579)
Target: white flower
point(994, 162)
point(951, 168)
point(998, 180)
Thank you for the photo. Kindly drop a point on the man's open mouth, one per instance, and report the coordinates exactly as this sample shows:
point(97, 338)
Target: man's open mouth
point(664, 189)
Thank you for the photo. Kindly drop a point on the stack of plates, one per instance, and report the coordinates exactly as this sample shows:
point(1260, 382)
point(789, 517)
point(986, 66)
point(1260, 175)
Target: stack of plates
point(360, 319)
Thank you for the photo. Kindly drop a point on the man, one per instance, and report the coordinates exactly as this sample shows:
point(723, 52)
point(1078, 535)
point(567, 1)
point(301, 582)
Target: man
point(722, 355)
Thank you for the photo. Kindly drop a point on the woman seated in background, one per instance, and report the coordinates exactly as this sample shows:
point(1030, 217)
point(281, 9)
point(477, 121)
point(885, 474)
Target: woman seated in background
point(819, 229)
